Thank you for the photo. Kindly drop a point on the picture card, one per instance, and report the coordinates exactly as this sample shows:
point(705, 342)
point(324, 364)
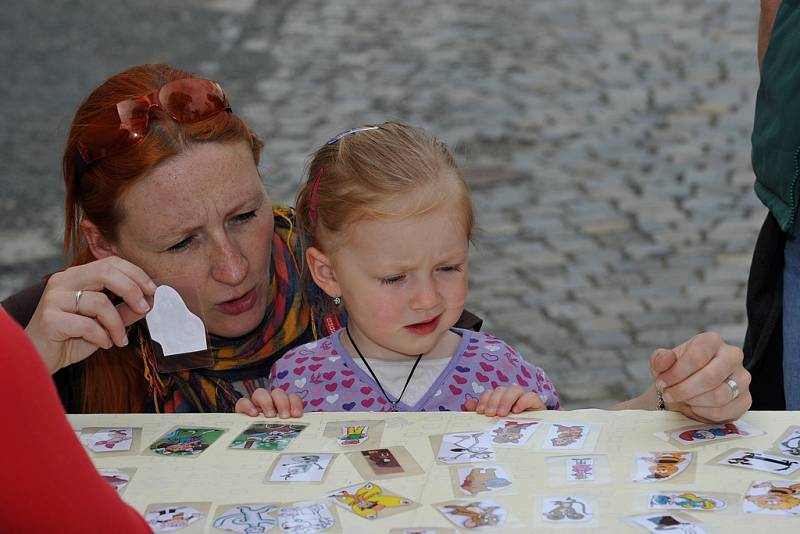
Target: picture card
point(185, 441)
point(117, 477)
point(670, 522)
point(566, 509)
point(245, 518)
point(107, 442)
point(774, 497)
point(775, 464)
point(477, 514)
point(789, 442)
point(370, 500)
point(308, 517)
point(563, 436)
point(464, 447)
point(187, 517)
point(691, 436)
point(267, 436)
point(513, 432)
point(300, 467)
point(480, 480)
point(661, 466)
point(353, 434)
point(689, 501)
point(422, 530)
point(384, 463)
point(584, 469)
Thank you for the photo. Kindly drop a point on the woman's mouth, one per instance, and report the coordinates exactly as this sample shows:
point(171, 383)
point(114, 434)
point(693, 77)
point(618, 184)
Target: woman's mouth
point(425, 327)
point(239, 305)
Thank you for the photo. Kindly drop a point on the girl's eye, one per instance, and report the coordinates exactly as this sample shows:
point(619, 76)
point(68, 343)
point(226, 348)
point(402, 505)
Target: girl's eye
point(392, 279)
point(181, 245)
point(244, 217)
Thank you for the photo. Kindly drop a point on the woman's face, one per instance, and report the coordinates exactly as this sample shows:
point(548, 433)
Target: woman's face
point(202, 223)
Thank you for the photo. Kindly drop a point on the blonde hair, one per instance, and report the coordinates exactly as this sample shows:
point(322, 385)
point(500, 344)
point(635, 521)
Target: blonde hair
point(365, 172)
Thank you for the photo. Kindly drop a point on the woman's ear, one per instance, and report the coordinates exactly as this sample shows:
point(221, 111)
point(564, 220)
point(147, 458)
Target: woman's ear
point(319, 265)
point(99, 245)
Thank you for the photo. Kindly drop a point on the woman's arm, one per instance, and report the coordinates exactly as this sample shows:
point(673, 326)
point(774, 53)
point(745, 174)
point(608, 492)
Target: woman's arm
point(44, 460)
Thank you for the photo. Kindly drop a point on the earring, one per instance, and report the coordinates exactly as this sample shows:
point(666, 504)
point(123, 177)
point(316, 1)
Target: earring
point(337, 301)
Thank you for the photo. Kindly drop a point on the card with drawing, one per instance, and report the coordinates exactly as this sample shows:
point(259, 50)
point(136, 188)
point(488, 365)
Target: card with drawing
point(300, 467)
point(475, 515)
point(188, 517)
point(308, 517)
point(245, 518)
point(465, 447)
point(661, 466)
point(119, 478)
point(758, 461)
point(481, 480)
point(772, 498)
point(513, 432)
point(659, 522)
point(789, 442)
point(370, 500)
point(580, 468)
point(389, 462)
point(108, 439)
point(353, 435)
point(267, 436)
point(422, 530)
point(185, 441)
point(689, 501)
point(566, 509)
point(690, 436)
point(566, 436)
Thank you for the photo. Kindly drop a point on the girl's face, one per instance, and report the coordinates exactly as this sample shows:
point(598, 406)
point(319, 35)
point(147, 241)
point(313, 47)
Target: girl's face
point(202, 223)
point(403, 281)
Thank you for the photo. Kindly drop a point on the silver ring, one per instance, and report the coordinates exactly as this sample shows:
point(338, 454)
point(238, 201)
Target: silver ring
point(733, 385)
point(78, 300)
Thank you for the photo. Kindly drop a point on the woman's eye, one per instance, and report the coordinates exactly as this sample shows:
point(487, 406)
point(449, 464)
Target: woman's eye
point(181, 245)
point(392, 279)
point(244, 217)
point(451, 268)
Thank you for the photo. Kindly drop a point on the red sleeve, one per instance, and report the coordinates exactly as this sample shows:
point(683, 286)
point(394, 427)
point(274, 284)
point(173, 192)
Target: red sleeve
point(49, 483)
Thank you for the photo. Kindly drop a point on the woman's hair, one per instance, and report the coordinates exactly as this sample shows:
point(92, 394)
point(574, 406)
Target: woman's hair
point(370, 173)
point(113, 380)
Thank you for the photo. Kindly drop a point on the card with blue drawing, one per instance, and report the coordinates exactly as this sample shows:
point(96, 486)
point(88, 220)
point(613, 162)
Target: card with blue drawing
point(464, 447)
point(776, 497)
point(475, 480)
point(185, 441)
point(663, 466)
point(689, 501)
point(307, 517)
point(117, 477)
point(694, 435)
point(513, 433)
point(300, 467)
point(755, 460)
point(668, 522)
point(370, 500)
point(789, 442)
point(111, 441)
point(185, 517)
point(267, 436)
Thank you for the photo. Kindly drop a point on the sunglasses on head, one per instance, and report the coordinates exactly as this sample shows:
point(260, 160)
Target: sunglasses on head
point(120, 127)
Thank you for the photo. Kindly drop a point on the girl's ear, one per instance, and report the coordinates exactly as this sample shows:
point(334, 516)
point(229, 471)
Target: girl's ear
point(319, 265)
point(98, 245)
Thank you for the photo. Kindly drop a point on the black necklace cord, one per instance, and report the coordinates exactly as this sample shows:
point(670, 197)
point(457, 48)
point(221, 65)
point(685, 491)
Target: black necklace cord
point(375, 378)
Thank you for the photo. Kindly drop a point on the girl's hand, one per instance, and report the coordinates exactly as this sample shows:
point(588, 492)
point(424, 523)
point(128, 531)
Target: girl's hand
point(502, 401)
point(75, 316)
point(271, 404)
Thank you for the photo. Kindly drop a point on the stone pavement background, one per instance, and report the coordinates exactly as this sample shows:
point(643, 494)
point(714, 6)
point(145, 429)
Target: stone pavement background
point(606, 141)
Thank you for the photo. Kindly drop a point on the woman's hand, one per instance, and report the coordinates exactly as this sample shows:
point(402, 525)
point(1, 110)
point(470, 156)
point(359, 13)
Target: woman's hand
point(271, 404)
point(694, 379)
point(503, 401)
point(75, 317)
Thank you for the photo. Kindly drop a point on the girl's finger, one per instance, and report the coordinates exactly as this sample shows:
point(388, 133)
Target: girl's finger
point(245, 406)
point(530, 401)
point(263, 401)
point(295, 405)
point(281, 402)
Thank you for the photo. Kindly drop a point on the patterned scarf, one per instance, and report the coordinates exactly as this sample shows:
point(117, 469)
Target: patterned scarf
point(284, 326)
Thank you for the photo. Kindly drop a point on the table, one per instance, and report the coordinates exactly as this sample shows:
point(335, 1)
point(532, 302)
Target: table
point(225, 476)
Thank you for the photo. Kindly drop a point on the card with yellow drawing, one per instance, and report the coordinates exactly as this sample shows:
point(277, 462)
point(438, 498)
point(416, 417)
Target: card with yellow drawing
point(776, 497)
point(352, 435)
point(371, 500)
point(663, 466)
point(389, 462)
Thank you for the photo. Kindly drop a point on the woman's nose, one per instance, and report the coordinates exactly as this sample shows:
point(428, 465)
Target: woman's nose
point(228, 264)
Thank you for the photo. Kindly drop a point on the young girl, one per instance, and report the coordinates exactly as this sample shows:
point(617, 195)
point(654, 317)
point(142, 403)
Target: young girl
point(387, 221)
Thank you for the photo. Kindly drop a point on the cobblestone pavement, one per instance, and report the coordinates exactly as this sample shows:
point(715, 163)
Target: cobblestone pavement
point(607, 143)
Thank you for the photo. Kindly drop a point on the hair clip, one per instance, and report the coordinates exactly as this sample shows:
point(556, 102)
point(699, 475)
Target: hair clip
point(336, 139)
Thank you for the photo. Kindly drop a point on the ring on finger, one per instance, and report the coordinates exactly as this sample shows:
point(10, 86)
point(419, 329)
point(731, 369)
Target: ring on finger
point(733, 385)
point(78, 300)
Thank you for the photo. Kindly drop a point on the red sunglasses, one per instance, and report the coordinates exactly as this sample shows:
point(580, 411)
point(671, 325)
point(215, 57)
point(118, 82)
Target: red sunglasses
point(119, 128)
